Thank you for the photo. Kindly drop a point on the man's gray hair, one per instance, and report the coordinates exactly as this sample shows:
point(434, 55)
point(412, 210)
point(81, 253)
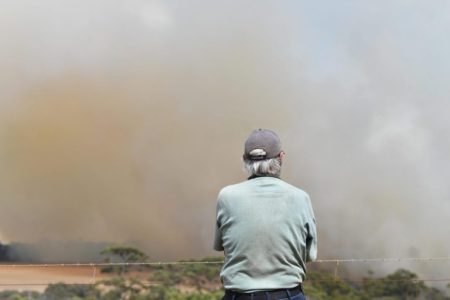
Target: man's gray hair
point(271, 166)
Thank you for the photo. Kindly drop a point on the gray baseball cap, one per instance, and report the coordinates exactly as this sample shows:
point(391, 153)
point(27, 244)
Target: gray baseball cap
point(262, 144)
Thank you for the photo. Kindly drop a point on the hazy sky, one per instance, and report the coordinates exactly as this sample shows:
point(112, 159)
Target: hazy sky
point(121, 120)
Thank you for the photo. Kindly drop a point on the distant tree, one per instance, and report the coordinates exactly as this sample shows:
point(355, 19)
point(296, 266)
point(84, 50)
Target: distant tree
point(62, 291)
point(323, 285)
point(402, 284)
point(124, 255)
point(122, 288)
point(23, 295)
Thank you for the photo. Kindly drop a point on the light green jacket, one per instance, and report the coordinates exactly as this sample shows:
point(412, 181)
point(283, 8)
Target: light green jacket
point(267, 230)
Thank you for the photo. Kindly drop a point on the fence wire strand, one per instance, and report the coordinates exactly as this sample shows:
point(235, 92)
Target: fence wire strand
point(337, 262)
point(164, 263)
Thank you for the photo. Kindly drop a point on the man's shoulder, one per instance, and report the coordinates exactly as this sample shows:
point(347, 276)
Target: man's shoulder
point(296, 190)
point(232, 189)
point(238, 188)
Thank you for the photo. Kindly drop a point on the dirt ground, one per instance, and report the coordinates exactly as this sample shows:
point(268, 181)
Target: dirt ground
point(37, 278)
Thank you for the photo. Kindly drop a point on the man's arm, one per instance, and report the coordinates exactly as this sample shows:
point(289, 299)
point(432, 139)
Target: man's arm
point(218, 239)
point(311, 238)
point(218, 234)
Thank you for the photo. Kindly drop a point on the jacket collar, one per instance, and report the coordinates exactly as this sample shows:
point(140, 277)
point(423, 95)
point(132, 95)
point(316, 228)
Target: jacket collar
point(262, 175)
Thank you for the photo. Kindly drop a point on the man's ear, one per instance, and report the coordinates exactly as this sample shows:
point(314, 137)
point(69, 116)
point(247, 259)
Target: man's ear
point(281, 155)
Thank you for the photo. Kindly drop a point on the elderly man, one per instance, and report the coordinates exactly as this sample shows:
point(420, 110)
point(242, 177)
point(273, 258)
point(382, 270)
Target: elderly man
point(265, 226)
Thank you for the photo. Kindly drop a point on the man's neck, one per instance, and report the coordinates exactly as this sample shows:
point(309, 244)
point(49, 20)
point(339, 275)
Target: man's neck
point(263, 175)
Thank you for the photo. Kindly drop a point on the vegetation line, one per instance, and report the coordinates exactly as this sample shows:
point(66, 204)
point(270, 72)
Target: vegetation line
point(160, 263)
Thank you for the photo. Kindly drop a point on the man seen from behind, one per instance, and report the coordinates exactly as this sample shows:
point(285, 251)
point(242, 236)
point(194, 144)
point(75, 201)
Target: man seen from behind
point(265, 226)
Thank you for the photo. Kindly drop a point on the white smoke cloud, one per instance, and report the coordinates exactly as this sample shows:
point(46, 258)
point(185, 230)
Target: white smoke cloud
point(98, 98)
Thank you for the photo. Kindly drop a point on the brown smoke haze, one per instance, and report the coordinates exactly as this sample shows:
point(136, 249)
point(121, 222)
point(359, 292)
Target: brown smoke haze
point(121, 120)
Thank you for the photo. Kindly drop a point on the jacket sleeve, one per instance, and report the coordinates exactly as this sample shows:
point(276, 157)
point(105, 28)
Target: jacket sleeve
point(218, 233)
point(311, 238)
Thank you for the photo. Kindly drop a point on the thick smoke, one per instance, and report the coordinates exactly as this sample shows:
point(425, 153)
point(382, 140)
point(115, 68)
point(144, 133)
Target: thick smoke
point(121, 120)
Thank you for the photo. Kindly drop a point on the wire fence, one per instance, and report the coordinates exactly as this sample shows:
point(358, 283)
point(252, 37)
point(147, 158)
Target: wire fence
point(95, 266)
point(162, 263)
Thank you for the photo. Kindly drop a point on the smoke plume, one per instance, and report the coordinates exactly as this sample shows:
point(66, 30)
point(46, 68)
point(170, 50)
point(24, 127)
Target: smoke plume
point(121, 120)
